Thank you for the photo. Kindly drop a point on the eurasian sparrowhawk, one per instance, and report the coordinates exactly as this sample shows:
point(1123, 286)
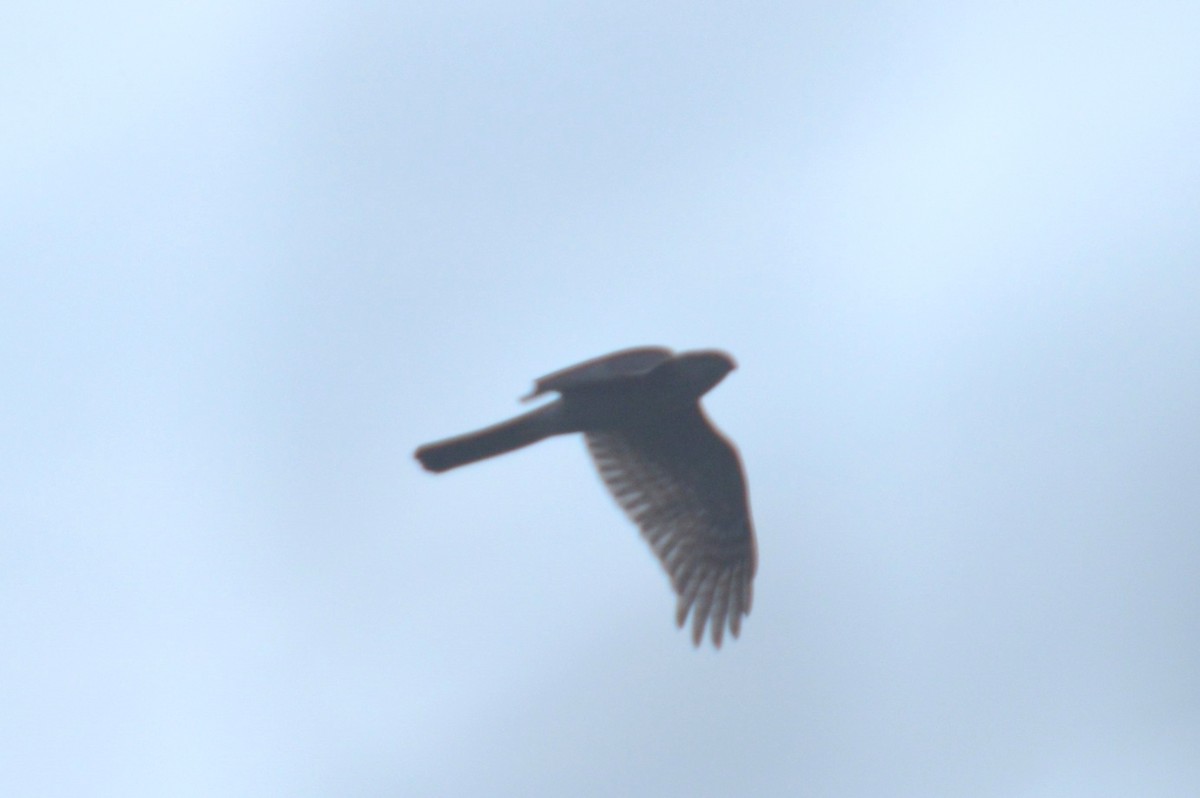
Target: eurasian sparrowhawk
point(674, 475)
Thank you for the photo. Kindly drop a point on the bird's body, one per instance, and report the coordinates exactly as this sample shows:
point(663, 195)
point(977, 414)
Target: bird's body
point(678, 479)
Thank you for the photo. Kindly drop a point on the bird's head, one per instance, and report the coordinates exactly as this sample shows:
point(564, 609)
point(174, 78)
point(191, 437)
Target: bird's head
point(700, 371)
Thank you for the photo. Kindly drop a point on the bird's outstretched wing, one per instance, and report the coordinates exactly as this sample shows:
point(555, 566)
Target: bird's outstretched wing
point(681, 482)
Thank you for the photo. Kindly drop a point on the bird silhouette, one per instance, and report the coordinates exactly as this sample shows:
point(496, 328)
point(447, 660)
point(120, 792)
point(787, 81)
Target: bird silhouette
point(668, 468)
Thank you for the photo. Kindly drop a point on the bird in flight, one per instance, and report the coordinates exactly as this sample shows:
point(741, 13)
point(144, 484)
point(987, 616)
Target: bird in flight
point(671, 471)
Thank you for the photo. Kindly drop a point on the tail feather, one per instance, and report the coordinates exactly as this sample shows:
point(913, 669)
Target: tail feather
point(525, 429)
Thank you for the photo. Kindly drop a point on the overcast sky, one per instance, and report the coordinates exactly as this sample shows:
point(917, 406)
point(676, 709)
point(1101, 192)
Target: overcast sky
point(254, 253)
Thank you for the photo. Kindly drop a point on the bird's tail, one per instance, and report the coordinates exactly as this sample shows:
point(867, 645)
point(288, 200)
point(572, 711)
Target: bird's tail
point(525, 429)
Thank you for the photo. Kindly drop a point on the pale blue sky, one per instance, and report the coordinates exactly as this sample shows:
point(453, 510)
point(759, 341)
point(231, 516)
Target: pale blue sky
point(256, 252)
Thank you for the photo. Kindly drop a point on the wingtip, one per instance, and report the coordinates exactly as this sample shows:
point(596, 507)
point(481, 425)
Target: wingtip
point(427, 457)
